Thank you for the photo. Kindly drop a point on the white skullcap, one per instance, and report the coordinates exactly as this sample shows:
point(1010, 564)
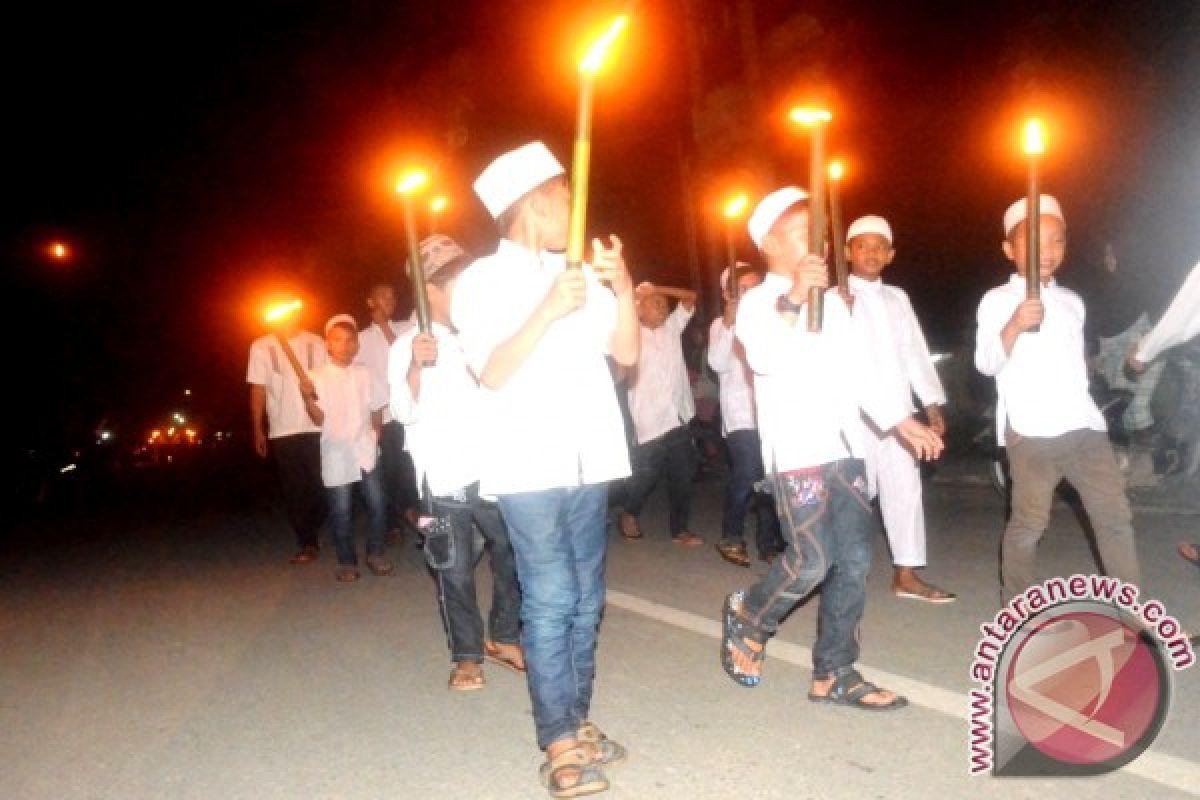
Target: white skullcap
point(870, 224)
point(1017, 212)
point(725, 274)
point(336, 318)
point(507, 179)
point(771, 208)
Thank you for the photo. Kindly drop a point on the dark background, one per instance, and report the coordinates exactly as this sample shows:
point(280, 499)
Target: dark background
point(197, 157)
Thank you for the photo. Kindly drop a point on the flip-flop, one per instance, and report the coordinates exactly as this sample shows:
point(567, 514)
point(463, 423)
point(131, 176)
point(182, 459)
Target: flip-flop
point(493, 654)
point(929, 594)
point(464, 679)
point(1189, 552)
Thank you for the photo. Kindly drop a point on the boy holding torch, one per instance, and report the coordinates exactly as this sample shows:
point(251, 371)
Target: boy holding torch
point(809, 389)
point(536, 332)
point(889, 325)
point(282, 428)
point(1033, 346)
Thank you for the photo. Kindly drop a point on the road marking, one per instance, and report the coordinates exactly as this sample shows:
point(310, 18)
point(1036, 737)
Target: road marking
point(1167, 770)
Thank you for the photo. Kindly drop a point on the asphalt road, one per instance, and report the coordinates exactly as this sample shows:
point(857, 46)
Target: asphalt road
point(163, 648)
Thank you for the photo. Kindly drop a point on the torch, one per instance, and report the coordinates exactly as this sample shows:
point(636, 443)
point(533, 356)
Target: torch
point(275, 315)
point(836, 171)
point(410, 184)
point(581, 158)
point(815, 120)
point(1034, 146)
point(734, 209)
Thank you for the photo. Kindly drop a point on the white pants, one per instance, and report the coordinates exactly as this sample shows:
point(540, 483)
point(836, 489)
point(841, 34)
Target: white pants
point(896, 476)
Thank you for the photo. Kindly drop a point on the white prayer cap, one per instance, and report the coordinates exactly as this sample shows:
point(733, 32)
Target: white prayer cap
point(507, 179)
point(770, 209)
point(339, 318)
point(741, 265)
point(1017, 212)
point(870, 224)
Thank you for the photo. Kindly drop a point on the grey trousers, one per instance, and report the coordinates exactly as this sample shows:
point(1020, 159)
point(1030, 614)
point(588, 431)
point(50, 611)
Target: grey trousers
point(1037, 464)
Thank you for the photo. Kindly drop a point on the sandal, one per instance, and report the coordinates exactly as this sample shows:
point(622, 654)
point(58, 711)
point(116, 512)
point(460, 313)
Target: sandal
point(509, 656)
point(629, 526)
point(736, 632)
point(379, 565)
point(734, 552)
point(926, 592)
point(346, 574)
point(849, 688)
point(467, 676)
point(604, 751)
point(1190, 553)
point(589, 779)
point(687, 539)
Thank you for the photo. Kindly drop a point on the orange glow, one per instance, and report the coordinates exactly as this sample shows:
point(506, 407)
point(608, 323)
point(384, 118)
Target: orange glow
point(594, 59)
point(736, 206)
point(1034, 140)
point(412, 181)
point(836, 170)
point(809, 116)
point(438, 204)
point(58, 251)
point(282, 310)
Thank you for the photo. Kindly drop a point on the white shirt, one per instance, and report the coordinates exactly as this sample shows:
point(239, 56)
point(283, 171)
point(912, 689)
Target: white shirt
point(1180, 322)
point(809, 387)
point(373, 354)
point(727, 357)
point(660, 394)
point(443, 423)
point(890, 327)
point(1042, 387)
point(347, 395)
point(556, 421)
point(269, 368)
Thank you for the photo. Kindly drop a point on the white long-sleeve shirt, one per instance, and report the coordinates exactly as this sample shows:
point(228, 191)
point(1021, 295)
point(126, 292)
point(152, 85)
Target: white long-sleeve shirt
point(555, 423)
point(373, 354)
point(442, 423)
point(810, 387)
point(890, 327)
point(347, 396)
point(1179, 323)
point(1042, 386)
point(727, 357)
point(660, 394)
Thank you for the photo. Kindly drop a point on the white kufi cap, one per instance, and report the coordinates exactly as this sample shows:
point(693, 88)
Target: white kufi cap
point(511, 176)
point(771, 208)
point(1017, 212)
point(725, 274)
point(870, 224)
point(336, 318)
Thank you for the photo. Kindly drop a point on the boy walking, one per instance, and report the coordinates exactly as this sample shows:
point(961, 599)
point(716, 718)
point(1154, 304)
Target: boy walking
point(347, 405)
point(889, 325)
point(809, 388)
point(435, 395)
point(1034, 349)
point(536, 333)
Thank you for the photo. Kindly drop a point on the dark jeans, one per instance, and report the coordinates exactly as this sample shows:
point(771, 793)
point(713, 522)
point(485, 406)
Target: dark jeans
point(746, 469)
point(673, 454)
point(298, 463)
point(559, 538)
point(829, 525)
point(456, 582)
point(399, 476)
point(341, 516)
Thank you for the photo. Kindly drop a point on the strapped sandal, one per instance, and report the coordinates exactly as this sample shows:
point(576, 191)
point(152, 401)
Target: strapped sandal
point(590, 780)
point(604, 751)
point(467, 676)
point(734, 552)
point(735, 633)
point(849, 688)
point(504, 654)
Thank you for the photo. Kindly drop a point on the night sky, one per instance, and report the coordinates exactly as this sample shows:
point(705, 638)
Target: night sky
point(197, 157)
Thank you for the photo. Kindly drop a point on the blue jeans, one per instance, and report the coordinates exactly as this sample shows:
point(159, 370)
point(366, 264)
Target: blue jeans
point(456, 582)
point(341, 516)
point(746, 469)
point(829, 526)
point(558, 536)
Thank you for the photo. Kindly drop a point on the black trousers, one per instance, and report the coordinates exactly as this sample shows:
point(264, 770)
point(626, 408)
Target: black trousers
point(399, 475)
point(298, 463)
point(674, 456)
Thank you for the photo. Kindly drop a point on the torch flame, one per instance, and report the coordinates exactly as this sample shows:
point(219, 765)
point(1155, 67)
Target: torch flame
point(595, 56)
point(836, 170)
point(736, 206)
point(809, 116)
point(438, 204)
point(412, 181)
point(281, 310)
point(1035, 137)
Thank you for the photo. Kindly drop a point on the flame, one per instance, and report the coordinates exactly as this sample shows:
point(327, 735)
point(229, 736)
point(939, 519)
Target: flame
point(836, 170)
point(736, 206)
point(438, 204)
point(281, 310)
point(412, 181)
point(594, 59)
point(58, 250)
point(1035, 137)
point(809, 116)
